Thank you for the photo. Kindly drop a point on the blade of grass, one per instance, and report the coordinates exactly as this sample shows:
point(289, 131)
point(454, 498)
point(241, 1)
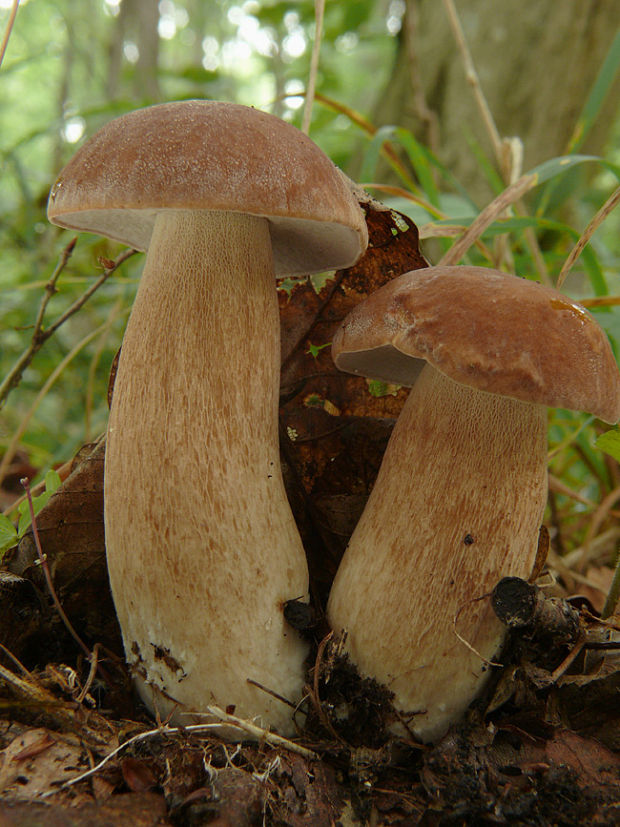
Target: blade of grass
point(603, 83)
point(381, 144)
point(319, 10)
point(533, 178)
point(487, 217)
point(587, 234)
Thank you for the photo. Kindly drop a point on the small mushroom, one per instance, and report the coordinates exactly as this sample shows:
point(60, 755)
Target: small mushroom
point(462, 487)
point(201, 544)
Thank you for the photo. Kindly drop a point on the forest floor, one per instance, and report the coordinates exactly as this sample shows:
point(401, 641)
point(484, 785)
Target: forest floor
point(541, 746)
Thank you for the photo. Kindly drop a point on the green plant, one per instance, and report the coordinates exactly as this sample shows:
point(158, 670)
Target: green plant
point(10, 535)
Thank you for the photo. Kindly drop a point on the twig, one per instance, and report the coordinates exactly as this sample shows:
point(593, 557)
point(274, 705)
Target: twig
point(28, 690)
point(314, 694)
point(164, 729)
point(319, 10)
point(92, 657)
point(9, 29)
point(508, 151)
point(600, 301)
point(600, 515)
point(39, 335)
point(466, 642)
point(12, 446)
point(94, 664)
point(473, 80)
point(587, 234)
point(260, 733)
point(271, 692)
point(487, 217)
point(572, 655)
point(48, 577)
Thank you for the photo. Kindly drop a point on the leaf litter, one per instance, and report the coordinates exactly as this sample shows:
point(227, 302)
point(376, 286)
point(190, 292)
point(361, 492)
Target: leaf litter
point(539, 747)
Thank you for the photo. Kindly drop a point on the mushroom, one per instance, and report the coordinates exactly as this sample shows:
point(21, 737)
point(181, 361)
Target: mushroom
point(461, 491)
point(201, 544)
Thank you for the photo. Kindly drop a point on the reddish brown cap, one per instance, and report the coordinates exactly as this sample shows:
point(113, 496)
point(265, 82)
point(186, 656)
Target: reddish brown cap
point(485, 329)
point(205, 155)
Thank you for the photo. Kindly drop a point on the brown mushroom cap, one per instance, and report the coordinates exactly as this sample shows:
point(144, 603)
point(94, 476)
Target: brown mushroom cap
point(205, 155)
point(487, 330)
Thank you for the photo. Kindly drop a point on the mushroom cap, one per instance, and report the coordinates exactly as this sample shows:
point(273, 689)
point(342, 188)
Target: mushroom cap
point(487, 330)
point(206, 155)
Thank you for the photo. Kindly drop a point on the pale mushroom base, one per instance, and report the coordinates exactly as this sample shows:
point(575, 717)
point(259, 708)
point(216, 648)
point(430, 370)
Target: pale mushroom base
point(202, 546)
point(457, 505)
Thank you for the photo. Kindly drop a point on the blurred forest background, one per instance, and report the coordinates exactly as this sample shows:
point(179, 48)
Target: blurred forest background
point(436, 107)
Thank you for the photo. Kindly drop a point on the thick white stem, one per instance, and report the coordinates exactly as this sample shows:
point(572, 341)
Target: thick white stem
point(456, 506)
point(201, 543)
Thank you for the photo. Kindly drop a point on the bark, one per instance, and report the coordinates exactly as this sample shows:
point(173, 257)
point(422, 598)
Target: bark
point(537, 61)
point(137, 21)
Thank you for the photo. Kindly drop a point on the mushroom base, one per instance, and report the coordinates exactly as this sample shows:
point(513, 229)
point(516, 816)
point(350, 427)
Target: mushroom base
point(457, 505)
point(202, 547)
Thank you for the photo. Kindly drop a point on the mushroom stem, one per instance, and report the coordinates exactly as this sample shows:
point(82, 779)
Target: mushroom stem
point(456, 506)
point(201, 543)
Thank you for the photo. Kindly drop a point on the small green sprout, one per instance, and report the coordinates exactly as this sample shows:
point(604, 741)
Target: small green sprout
point(314, 350)
point(11, 535)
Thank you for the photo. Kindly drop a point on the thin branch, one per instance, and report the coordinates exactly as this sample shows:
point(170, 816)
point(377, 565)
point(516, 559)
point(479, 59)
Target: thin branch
point(319, 10)
point(40, 335)
point(9, 29)
point(508, 151)
point(48, 577)
point(466, 643)
point(90, 656)
point(258, 732)
point(472, 78)
point(12, 446)
point(164, 729)
point(14, 376)
point(587, 234)
point(487, 217)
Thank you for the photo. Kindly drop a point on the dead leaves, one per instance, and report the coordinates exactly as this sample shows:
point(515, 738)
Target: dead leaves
point(334, 427)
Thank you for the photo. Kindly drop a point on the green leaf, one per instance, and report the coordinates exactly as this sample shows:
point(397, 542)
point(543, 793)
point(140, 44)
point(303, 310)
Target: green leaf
point(603, 83)
point(52, 481)
point(555, 166)
point(314, 350)
point(610, 443)
point(8, 534)
point(52, 484)
point(377, 387)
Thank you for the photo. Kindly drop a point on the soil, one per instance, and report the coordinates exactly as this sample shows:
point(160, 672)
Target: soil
point(540, 747)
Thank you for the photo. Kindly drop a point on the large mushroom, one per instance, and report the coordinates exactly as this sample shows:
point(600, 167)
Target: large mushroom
point(201, 544)
point(461, 491)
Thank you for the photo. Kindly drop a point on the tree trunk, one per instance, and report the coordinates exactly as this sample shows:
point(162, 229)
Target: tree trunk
point(137, 21)
point(536, 60)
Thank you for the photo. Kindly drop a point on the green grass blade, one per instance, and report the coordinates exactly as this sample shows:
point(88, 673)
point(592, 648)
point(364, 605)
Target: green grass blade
point(598, 93)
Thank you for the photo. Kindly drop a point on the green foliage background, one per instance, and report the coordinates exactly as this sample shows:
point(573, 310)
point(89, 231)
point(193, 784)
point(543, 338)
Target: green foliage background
point(55, 79)
point(57, 87)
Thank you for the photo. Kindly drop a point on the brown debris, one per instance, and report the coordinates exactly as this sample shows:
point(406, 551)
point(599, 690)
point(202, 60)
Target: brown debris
point(537, 748)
